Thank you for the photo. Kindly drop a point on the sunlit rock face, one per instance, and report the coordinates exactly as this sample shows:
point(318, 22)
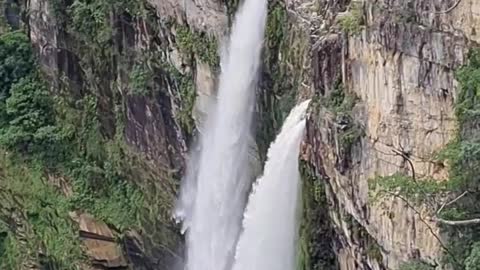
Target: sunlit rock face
point(202, 15)
point(401, 68)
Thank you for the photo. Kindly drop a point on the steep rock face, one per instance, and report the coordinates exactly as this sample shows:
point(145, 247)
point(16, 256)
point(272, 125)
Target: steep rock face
point(152, 123)
point(401, 68)
point(61, 61)
point(208, 16)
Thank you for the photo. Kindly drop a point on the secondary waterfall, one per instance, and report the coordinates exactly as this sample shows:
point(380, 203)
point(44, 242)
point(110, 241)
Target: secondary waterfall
point(214, 194)
point(269, 236)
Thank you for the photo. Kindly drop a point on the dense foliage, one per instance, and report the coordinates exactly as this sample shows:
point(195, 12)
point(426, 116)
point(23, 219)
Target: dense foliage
point(47, 137)
point(316, 251)
point(16, 61)
point(194, 43)
point(353, 20)
point(75, 136)
point(423, 190)
point(40, 215)
point(463, 158)
point(473, 260)
point(30, 127)
point(281, 74)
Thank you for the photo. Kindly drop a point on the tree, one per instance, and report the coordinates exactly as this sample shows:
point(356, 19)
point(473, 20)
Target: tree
point(30, 117)
point(16, 61)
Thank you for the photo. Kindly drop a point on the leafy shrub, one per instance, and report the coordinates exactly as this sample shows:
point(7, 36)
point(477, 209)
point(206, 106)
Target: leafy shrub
point(416, 265)
point(463, 153)
point(90, 21)
point(16, 61)
point(31, 125)
point(473, 261)
point(468, 100)
point(46, 215)
point(341, 103)
point(141, 79)
point(188, 97)
point(406, 186)
point(351, 23)
point(48, 135)
point(462, 156)
point(191, 42)
point(9, 251)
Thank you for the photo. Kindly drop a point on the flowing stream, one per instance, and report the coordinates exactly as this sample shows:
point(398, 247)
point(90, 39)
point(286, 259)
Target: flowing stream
point(268, 241)
point(214, 193)
point(219, 174)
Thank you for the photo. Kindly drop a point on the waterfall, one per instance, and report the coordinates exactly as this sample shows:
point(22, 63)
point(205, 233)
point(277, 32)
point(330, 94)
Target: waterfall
point(269, 236)
point(214, 193)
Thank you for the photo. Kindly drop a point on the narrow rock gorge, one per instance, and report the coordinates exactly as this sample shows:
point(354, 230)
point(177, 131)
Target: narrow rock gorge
point(102, 100)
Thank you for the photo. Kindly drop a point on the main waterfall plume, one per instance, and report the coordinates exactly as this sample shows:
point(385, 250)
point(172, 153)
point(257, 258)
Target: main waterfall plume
point(268, 239)
point(214, 193)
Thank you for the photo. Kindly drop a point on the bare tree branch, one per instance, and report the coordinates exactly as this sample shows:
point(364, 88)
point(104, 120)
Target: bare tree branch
point(449, 9)
point(474, 221)
point(467, 222)
point(451, 202)
point(424, 222)
point(406, 158)
point(414, 177)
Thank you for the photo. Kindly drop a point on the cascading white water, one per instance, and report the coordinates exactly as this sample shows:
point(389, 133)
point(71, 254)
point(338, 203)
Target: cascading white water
point(269, 236)
point(214, 193)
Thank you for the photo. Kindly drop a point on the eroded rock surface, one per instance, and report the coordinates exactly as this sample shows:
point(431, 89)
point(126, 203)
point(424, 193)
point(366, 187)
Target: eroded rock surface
point(401, 67)
point(99, 242)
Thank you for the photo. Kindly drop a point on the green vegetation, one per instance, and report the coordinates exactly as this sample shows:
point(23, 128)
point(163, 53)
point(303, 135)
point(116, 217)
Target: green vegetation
point(282, 74)
point(16, 61)
point(9, 250)
point(462, 157)
point(191, 42)
point(316, 233)
point(187, 96)
point(349, 132)
point(473, 260)
point(463, 153)
point(141, 78)
point(98, 169)
point(54, 137)
point(359, 233)
point(338, 101)
point(405, 186)
point(352, 22)
point(43, 213)
point(232, 7)
point(4, 26)
point(89, 21)
point(416, 265)
point(75, 136)
point(29, 118)
point(10, 14)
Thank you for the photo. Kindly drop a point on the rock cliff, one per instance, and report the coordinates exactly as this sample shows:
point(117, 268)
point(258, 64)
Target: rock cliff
point(399, 65)
point(137, 77)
